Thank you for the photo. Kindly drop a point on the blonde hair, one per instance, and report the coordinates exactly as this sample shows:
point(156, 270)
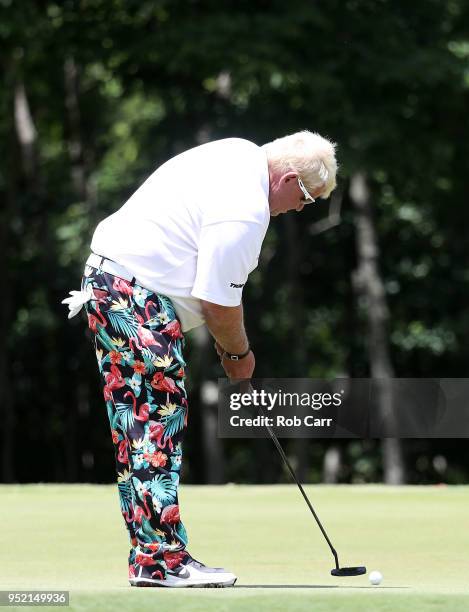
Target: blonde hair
point(309, 154)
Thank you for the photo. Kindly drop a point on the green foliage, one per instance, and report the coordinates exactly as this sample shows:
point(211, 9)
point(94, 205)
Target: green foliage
point(388, 80)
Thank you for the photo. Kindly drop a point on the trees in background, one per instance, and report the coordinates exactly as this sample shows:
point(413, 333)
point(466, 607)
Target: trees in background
point(97, 93)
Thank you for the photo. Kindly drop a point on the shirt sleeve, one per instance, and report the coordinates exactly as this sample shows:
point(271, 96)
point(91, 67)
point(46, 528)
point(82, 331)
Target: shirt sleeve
point(228, 252)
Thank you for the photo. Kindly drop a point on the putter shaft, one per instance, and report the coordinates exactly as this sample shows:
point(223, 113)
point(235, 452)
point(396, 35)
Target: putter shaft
point(287, 463)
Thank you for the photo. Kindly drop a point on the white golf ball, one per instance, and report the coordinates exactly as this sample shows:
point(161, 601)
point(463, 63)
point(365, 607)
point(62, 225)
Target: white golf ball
point(375, 578)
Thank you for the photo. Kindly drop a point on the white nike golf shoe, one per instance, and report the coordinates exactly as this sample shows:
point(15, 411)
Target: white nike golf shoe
point(189, 573)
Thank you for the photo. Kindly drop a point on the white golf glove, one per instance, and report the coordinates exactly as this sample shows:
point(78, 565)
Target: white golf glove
point(77, 300)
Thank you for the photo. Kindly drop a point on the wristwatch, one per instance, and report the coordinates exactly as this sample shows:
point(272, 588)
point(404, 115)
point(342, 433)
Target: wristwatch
point(235, 357)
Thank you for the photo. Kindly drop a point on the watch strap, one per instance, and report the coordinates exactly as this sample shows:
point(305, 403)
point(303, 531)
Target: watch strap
point(235, 357)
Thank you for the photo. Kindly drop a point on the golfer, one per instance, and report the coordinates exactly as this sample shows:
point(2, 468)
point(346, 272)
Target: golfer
point(177, 255)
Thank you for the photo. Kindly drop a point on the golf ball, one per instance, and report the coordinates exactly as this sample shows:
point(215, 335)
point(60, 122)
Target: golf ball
point(375, 578)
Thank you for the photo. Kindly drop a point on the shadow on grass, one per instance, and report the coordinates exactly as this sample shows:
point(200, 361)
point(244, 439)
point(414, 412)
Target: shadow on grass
point(309, 586)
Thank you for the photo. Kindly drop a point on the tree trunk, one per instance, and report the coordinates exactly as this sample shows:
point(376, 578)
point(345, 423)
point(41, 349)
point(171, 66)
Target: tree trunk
point(369, 287)
point(6, 303)
point(73, 132)
point(22, 146)
point(78, 175)
point(25, 131)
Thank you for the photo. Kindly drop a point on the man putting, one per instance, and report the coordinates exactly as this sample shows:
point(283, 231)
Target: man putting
point(177, 255)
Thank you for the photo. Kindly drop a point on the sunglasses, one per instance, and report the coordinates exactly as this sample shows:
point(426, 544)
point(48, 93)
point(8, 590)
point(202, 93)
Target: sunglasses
point(308, 199)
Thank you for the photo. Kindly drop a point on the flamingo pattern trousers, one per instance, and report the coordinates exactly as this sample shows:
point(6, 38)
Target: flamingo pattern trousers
point(139, 348)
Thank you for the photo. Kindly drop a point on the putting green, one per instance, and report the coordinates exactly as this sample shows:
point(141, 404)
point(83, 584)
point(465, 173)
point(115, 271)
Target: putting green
point(72, 537)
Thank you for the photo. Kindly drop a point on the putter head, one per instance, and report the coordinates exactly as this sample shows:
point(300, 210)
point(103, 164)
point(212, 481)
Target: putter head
point(349, 571)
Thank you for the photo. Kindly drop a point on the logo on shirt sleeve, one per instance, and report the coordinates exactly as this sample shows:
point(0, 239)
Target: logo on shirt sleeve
point(235, 286)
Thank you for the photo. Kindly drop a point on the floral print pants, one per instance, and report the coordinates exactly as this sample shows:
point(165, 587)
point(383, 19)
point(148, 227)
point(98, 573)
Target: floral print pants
point(138, 343)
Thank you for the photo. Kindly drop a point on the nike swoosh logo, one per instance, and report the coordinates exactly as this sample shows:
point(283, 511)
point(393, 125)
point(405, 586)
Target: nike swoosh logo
point(184, 573)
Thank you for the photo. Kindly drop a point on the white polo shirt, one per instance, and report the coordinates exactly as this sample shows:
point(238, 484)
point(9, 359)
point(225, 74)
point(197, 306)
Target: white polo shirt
point(194, 229)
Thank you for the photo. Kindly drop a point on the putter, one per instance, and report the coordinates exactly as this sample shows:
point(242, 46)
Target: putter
point(337, 571)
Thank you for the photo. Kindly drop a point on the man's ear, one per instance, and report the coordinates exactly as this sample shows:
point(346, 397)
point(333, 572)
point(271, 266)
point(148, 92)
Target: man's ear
point(289, 176)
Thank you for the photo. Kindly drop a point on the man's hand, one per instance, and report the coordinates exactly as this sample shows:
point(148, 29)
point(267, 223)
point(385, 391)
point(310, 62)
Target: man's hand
point(243, 368)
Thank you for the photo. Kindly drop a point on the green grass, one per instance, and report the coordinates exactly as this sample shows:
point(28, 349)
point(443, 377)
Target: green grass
point(72, 537)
